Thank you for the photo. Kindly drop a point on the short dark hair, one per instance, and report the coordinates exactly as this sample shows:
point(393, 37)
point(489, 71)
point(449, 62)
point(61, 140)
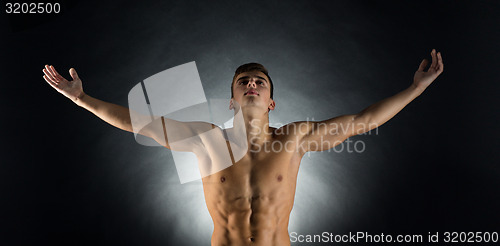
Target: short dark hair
point(253, 66)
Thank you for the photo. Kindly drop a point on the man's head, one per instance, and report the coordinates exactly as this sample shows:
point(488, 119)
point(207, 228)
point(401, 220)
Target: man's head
point(252, 85)
point(248, 68)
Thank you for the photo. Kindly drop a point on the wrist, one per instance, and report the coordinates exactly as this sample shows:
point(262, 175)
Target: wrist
point(417, 89)
point(78, 100)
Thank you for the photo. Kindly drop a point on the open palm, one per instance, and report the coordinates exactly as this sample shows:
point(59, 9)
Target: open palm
point(422, 78)
point(71, 89)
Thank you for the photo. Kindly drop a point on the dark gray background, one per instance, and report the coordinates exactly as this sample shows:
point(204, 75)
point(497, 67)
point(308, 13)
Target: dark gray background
point(66, 177)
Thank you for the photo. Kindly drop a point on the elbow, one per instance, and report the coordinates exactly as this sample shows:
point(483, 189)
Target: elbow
point(364, 122)
point(362, 118)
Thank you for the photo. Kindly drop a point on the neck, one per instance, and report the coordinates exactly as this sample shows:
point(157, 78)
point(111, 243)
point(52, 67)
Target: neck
point(256, 125)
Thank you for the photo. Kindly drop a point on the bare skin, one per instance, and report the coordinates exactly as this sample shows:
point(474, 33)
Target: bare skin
point(250, 202)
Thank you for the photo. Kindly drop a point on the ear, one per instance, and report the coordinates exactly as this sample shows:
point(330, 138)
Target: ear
point(272, 105)
point(231, 105)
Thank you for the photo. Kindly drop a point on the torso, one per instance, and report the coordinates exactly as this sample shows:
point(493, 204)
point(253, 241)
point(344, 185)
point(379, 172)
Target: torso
point(250, 201)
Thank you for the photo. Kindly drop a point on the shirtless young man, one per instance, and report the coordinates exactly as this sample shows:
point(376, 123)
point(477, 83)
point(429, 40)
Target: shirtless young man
point(250, 202)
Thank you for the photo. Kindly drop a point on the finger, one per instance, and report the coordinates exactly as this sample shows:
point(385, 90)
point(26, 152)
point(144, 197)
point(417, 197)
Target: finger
point(73, 73)
point(422, 66)
point(434, 59)
point(49, 76)
point(440, 62)
point(56, 74)
point(57, 78)
point(54, 85)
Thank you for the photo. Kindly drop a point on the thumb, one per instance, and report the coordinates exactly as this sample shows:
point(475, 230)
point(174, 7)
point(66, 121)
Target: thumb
point(73, 73)
point(423, 64)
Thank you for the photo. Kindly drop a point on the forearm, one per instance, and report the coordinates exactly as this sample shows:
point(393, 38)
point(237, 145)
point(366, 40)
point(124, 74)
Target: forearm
point(382, 111)
point(113, 114)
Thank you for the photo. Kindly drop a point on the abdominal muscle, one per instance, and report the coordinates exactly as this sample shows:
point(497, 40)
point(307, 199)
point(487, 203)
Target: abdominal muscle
point(250, 202)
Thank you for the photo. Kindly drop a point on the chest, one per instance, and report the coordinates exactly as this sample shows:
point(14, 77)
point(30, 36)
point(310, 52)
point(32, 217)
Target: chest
point(258, 172)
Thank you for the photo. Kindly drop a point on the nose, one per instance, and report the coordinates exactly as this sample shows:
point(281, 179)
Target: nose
point(251, 83)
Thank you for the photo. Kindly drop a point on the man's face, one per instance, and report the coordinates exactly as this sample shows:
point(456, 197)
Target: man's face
point(252, 89)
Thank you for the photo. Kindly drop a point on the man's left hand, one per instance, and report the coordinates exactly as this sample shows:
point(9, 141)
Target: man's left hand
point(423, 79)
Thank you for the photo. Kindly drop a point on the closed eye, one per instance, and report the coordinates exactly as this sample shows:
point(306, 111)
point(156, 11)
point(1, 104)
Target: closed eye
point(245, 82)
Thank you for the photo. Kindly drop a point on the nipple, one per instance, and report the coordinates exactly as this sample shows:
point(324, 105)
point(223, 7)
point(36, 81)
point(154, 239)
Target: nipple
point(222, 179)
point(280, 178)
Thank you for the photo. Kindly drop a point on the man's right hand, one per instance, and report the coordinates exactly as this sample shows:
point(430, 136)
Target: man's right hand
point(71, 89)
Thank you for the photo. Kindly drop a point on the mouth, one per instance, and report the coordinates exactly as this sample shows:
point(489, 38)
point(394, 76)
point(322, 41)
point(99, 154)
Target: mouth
point(251, 92)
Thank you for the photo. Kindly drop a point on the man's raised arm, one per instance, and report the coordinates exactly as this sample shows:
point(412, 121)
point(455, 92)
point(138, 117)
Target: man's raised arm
point(323, 135)
point(113, 114)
